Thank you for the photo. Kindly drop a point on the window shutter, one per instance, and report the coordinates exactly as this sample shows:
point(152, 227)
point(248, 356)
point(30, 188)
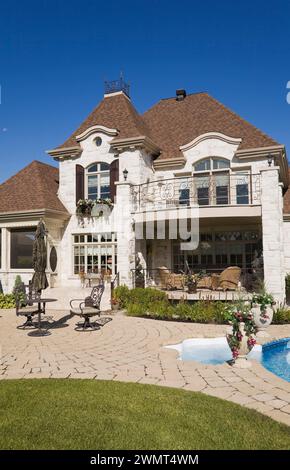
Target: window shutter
point(80, 182)
point(114, 176)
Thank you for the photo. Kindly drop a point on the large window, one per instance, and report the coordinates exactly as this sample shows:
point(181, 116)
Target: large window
point(95, 253)
point(218, 250)
point(216, 184)
point(21, 248)
point(98, 181)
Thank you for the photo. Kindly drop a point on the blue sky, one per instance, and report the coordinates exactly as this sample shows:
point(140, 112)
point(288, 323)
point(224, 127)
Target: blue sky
point(56, 54)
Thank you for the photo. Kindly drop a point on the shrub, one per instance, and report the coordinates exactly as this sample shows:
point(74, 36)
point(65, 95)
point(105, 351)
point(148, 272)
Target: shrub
point(139, 296)
point(19, 290)
point(287, 283)
point(7, 301)
point(281, 316)
point(121, 294)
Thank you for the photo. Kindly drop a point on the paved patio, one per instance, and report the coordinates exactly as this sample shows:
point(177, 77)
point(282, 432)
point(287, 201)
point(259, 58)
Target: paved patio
point(131, 350)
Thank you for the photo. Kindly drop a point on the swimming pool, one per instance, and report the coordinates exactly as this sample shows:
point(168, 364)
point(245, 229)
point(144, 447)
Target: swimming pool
point(274, 356)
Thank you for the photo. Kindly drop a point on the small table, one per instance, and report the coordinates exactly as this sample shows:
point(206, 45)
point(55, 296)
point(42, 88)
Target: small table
point(40, 331)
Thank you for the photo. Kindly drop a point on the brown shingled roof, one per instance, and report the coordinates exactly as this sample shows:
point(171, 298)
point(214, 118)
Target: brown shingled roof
point(115, 112)
point(174, 123)
point(34, 187)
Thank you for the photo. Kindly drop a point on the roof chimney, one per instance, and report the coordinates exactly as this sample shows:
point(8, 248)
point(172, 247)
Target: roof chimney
point(180, 95)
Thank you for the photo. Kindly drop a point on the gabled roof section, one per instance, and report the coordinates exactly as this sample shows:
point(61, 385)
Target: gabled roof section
point(115, 112)
point(32, 188)
point(174, 123)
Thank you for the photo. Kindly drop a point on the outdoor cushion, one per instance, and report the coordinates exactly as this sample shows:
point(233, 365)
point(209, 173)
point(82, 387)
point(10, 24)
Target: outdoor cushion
point(89, 311)
point(229, 278)
point(205, 283)
point(28, 310)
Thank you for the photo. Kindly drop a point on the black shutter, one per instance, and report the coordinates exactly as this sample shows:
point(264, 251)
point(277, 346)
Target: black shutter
point(114, 176)
point(80, 183)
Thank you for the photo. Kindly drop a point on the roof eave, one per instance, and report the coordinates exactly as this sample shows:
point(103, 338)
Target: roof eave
point(34, 214)
point(143, 141)
point(63, 153)
point(277, 152)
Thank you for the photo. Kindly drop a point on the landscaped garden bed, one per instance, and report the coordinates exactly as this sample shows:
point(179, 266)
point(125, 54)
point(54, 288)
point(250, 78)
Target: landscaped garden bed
point(154, 303)
point(91, 414)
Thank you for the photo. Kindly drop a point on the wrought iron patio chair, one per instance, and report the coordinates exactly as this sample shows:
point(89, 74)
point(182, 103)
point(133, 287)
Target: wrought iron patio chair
point(24, 294)
point(88, 308)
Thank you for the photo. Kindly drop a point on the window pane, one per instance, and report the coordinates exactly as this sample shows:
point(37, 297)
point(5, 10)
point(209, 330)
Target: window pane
point(220, 163)
point(203, 196)
point(105, 166)
point(222, 195)
point(184, 196)
point(93, 168)
point(21, 248)
point(92, 187)
point(242, 191)
point(203, 165)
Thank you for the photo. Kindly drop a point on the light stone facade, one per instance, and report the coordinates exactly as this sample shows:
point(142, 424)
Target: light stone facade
point(265, 212)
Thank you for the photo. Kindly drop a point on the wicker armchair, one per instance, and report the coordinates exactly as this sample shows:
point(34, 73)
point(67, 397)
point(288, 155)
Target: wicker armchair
point(170, 281)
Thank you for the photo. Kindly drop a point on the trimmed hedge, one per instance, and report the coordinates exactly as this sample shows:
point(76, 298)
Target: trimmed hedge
point(153, 303)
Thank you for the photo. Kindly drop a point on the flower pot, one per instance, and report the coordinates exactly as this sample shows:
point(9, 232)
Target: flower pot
point(192, 288)
point(115, 307)
point(262, 319)
point(241, 361)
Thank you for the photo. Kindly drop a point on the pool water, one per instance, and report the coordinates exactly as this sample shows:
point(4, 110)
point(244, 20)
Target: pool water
point(274, 356)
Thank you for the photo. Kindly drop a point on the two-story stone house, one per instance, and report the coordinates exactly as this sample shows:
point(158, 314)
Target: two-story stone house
point(188, 151)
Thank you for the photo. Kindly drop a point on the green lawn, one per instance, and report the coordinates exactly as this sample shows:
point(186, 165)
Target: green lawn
point(89, 414)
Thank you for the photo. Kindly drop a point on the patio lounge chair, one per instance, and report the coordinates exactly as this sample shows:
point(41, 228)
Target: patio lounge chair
point(88, 308)
point(170, 281)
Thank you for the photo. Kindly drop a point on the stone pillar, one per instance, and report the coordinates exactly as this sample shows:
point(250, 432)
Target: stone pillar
point(4, 259)
point(272, 228)
point(124, 227)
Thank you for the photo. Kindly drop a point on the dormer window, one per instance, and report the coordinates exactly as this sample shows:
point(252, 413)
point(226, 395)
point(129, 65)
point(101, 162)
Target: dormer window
point(98, 181)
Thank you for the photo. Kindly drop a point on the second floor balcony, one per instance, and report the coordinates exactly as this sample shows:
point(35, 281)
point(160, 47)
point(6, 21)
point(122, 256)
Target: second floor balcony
point(202, 190)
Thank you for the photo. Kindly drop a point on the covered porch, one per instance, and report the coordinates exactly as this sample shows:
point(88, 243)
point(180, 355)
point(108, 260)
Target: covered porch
point(223, 243)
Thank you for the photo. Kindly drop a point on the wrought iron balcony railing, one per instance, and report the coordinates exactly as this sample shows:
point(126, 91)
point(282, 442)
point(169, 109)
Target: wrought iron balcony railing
point(219, 189)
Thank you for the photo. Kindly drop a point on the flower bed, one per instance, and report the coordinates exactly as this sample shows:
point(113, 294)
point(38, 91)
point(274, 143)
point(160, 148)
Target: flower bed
point(153, 303)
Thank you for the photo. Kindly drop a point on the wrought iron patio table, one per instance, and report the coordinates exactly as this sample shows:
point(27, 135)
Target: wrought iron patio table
point(40, 331)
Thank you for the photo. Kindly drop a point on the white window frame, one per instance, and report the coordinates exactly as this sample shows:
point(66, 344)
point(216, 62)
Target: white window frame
point(97, 244)
point(99, 173)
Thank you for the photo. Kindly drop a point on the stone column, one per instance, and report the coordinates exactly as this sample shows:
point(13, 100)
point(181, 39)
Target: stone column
point(4, 259)
point(124, 227)
point(272, 224)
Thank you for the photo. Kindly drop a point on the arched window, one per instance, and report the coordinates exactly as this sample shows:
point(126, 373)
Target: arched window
point(98, 181)
point(212, 181)
point(211, 164)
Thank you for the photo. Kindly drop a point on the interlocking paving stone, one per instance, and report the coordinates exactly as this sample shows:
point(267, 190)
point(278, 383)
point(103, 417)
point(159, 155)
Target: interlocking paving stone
point(131, 350)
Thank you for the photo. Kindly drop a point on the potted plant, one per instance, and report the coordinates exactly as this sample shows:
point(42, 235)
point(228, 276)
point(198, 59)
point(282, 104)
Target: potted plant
point(115, 304)
point(191, 281)
point(241, 334)
point(84, 207)
point(262, 310)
